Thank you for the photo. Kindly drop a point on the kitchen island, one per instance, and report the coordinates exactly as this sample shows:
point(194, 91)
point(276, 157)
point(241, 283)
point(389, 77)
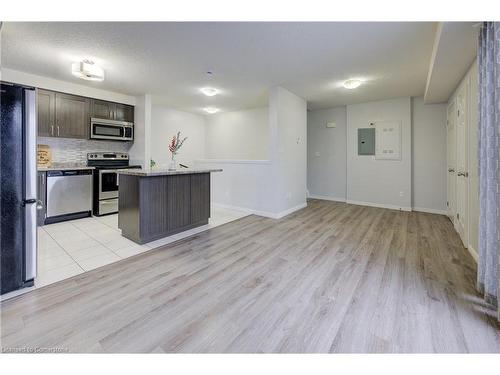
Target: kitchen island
point(157, 203)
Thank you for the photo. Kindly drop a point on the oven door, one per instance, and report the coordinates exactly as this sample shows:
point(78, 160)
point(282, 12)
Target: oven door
point(108, 184)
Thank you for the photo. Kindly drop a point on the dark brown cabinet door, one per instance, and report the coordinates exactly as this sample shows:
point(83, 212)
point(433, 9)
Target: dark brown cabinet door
point(124, 112)
point(178, 201)
point(72, 116)
point(200, 197)
point(46, 109)
point(102, 109)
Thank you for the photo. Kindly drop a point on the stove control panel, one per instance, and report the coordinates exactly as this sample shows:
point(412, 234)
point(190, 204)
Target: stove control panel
point(107, 156)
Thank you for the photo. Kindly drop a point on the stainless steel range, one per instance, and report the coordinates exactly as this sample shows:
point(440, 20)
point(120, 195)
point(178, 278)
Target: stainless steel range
point(106, 180)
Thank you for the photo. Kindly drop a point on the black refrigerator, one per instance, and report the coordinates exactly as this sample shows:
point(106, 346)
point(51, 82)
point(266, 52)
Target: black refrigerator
point(18, 204)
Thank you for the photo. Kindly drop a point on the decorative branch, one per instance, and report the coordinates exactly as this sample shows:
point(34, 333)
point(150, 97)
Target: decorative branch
point(176, 143)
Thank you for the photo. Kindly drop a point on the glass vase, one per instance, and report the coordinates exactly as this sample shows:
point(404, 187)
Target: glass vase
point(173, 164)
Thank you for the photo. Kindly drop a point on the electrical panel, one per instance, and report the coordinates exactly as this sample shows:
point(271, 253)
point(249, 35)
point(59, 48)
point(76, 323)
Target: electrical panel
point(366, 141)
point(388, 140)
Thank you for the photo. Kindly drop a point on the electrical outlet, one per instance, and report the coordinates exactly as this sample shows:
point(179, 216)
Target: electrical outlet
point(401, 194)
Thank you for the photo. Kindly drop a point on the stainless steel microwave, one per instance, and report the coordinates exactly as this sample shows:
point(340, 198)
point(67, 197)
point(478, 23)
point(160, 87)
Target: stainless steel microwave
point(111, 130)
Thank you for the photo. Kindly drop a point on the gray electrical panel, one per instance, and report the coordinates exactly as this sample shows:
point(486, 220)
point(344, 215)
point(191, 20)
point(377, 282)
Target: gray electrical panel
point(366, 141)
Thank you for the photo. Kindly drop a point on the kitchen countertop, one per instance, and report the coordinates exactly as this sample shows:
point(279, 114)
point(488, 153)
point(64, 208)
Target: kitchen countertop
point(164, 172)
point(63, 167)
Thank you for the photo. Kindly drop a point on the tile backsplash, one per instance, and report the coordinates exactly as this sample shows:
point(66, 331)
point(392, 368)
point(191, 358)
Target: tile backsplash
point(69, 150)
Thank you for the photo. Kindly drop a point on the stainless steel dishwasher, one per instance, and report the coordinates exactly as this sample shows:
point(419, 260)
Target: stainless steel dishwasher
point(69, 195)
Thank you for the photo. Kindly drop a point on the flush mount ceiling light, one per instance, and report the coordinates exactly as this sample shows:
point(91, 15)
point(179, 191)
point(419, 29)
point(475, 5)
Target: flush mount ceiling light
point(209, 91)
point(352, 83)
point(87, 70)
point(211, 110)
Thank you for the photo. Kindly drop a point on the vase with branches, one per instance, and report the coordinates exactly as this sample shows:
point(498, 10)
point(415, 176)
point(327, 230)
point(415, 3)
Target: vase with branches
point(174, 146)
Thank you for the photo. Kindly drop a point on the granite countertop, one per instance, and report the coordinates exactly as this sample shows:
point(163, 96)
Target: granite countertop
point(164, 172)
point(63, 167)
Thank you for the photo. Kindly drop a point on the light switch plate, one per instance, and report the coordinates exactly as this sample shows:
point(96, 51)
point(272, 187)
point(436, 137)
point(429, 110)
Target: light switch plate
point(331, 125)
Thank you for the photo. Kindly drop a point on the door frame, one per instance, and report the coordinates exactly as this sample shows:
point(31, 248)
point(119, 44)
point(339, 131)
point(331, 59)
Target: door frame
point(464, 234)
point(451, 115)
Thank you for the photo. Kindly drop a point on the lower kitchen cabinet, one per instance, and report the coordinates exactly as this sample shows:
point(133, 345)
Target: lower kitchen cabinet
point(156, 206)
point(42, 198)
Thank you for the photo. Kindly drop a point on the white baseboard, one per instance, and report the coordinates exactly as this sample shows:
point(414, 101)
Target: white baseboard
point(268, 214)
point(430, 210)
point(379, 205)
point(236, 208)
point(473, 252)
point(290, 210)
point(325, 198)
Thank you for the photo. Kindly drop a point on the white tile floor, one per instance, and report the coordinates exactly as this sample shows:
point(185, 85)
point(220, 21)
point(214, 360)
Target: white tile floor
point(72, 247)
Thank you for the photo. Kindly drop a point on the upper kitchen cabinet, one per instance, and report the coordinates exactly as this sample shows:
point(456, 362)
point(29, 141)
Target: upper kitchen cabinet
point(46, 113)
point(101, 109)
point(68, 116)
point(111, 111)
point(72, 116)
point(124, 112)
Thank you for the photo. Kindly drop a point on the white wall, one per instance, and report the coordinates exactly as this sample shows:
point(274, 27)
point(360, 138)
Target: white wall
point(238, 135)
point(240, 185)
point(274, 187)
point(326, 154)
point(288, 129)
point(15, 76)
point(428, 156)
point(140, 152)
point(165, 123)
point(384, 183)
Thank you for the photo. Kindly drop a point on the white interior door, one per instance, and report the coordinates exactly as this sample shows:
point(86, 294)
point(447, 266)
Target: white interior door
point(461, 222)
point(452, 161)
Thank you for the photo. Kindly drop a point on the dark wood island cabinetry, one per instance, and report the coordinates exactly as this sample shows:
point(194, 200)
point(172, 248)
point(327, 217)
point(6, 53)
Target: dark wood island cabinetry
point(157, 204)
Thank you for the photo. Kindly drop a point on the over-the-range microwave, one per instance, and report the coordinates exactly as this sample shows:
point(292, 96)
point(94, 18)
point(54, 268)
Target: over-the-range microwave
point(111, 130)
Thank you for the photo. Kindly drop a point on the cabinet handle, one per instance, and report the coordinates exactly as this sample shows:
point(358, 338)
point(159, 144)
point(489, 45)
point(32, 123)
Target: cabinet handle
point(58, 130)
point(51, 129)
point(451, 170)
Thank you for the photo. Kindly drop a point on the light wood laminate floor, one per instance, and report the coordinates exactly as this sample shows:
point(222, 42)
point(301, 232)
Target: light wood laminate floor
point(329, 278)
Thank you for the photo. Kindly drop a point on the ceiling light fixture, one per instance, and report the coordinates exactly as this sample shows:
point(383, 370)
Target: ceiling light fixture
point(87, 70)
point(209, 91)
point(211, 110)
point(352, 83)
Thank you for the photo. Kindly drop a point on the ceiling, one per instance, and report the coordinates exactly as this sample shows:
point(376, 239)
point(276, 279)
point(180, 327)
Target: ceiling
point(170, 60)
